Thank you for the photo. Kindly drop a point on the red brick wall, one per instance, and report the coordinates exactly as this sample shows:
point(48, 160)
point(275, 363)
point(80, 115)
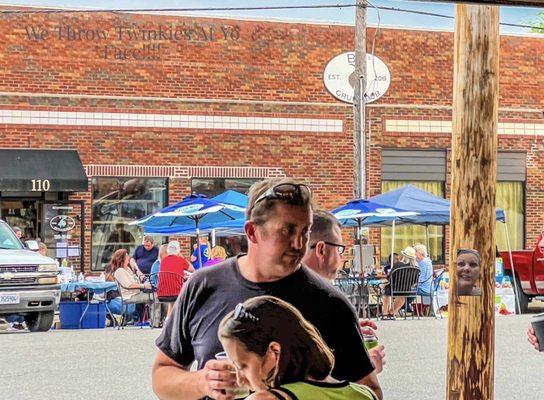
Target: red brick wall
point(243, 68)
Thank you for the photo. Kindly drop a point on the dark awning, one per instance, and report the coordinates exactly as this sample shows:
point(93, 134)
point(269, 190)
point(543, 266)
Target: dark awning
point(30, 170)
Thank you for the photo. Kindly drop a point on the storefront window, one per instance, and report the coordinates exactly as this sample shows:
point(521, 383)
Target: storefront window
point(509, 197)
point(212, 187)
point(408, 235)
point(117, 202)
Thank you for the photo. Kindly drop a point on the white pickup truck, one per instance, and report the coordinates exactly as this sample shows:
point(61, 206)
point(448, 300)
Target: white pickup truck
point(29, 283)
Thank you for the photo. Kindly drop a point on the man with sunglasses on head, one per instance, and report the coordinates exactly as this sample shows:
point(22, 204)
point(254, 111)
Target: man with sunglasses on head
point(279, 218)
point(324, 255)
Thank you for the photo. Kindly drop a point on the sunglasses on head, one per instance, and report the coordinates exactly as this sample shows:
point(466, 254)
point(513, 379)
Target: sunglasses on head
point(292, 193)
point(240, 313)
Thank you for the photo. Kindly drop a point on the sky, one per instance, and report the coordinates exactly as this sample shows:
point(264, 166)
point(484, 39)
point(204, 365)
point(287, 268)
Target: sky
point(515, 15)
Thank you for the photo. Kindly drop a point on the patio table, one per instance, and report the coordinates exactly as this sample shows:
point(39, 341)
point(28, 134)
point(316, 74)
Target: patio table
point(91, 287)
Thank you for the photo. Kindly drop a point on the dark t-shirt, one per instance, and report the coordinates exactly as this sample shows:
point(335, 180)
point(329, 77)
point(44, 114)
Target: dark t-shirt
point(144, 258)
point(191, 331)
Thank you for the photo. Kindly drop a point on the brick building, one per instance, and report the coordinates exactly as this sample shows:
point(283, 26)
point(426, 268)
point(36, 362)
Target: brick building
point(158, 106)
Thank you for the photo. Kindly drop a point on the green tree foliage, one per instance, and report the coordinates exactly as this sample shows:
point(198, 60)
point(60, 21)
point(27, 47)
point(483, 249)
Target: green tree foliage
point(538, 25)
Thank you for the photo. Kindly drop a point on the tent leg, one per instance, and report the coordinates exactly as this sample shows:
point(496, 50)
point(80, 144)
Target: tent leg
point(359, 230)
point(392, 243)
point(427, 239)
point(199, 254)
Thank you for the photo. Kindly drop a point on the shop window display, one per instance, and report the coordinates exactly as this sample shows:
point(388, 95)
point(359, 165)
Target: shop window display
point(116, 203)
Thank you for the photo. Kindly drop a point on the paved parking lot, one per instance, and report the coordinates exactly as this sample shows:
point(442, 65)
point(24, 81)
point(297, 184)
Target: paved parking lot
point(111, 364)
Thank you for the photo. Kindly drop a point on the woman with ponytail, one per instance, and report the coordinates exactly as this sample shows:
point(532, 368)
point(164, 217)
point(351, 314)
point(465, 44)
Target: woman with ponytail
point(278, 354)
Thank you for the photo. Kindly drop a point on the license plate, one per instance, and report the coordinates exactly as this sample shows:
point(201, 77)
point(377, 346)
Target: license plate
point(12, 298)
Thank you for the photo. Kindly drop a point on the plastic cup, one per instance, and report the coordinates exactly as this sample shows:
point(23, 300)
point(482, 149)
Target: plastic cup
point(239, 392)
point(538, 325)
point(370, 341)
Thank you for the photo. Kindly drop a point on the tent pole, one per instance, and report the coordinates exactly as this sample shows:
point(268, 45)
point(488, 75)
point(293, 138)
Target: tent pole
point(199, 255)
point(392, 243)
point(512, 265)
point(427, 239)
point(213, 237)
point(392, 258)
point(360, 233)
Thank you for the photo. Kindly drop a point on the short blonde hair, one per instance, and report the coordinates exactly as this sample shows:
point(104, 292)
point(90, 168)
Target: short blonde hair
point(162, 251)
point(42, 246)
point(218, 252)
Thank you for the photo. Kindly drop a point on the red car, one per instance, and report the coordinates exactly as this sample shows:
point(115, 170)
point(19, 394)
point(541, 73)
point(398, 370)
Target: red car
point(529, 268)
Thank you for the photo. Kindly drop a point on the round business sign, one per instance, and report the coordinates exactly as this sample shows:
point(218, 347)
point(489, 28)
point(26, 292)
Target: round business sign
point(339, 77)
point(62, 223)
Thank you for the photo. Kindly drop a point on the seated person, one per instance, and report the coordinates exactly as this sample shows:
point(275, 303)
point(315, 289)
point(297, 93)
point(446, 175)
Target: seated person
point(203, 248)
point(217, 254)
point(390, 310)
point(387, 267)
point(168, 287)
point(280, 355)
point(156, 267)
point(159, 309)
point(113, 297)
point(426, 267)
point(129, 282)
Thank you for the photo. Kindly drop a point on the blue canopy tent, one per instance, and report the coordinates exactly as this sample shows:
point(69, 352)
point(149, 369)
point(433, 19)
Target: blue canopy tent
point(192, 212)
point(233, 200)
point(430, 209)
point(226, 228)
point(361, 210)
point(216, 226)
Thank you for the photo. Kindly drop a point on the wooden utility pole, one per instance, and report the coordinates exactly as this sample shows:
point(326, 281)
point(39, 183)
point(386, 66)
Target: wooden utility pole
point(472, 221)
point(359, 135)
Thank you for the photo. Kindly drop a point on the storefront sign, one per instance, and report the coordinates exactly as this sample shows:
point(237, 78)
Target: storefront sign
point(133, 42)
point(339, 77)
point(62, 223)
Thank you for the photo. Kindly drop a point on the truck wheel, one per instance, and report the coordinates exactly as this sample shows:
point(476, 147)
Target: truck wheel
point(523, 299)
point(40, 322)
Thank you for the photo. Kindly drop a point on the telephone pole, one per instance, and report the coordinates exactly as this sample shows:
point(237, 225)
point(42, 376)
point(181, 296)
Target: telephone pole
point(471, 322)
point(359, 135)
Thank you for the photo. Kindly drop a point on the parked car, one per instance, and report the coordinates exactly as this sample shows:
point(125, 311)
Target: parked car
point(29, 283)
point(529, 270)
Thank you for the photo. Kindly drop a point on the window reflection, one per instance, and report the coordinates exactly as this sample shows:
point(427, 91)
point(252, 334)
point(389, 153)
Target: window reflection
point(116, 202)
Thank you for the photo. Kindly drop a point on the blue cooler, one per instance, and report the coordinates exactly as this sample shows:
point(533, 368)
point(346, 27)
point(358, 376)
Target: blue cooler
point(71, 311)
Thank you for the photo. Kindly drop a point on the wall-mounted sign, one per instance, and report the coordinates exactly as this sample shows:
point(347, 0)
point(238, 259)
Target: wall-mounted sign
point(339, 77)
point(62, 223)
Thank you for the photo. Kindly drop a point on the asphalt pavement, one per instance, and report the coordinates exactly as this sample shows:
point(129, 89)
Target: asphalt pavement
point(111, 364)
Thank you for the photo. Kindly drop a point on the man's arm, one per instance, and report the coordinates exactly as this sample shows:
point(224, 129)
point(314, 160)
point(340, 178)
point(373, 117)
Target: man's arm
point(371, 380)
point(172, 381)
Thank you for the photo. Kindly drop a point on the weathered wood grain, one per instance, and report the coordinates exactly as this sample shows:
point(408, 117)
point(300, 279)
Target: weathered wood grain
point(474, 168)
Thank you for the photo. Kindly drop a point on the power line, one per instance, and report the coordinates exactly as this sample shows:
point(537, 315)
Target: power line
point(261, 8)
point(199, 9)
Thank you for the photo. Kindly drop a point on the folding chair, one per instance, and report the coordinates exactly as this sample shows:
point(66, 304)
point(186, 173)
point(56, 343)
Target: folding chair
point(404, 283)
point(124, 305)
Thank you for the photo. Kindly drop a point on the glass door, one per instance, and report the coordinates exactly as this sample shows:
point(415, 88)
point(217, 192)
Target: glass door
point(63, 231)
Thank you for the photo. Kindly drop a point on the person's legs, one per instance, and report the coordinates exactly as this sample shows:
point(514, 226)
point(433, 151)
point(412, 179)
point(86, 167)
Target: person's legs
point(397, 304)
point(139, 301)
point(15, 321)
point(115, 308)
point(386, 305)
